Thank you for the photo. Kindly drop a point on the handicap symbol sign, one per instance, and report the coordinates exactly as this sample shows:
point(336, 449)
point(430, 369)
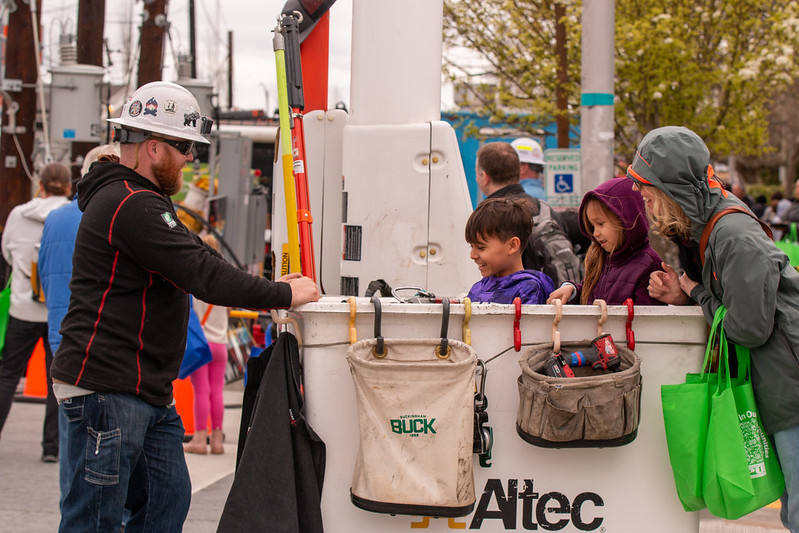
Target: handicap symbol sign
point(564, 183)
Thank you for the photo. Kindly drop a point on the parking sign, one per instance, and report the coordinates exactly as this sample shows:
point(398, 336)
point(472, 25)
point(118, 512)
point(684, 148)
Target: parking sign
point(563, 177)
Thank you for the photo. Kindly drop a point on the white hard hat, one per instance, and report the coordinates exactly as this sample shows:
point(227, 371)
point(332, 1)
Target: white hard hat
point(165, 108)
point(529, 151)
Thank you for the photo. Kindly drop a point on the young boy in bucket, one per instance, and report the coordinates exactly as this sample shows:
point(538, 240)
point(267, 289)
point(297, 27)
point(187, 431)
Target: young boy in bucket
point(497, 231)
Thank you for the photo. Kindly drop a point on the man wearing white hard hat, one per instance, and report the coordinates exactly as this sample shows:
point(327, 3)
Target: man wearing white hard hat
point(124, 334)
point(531, 159)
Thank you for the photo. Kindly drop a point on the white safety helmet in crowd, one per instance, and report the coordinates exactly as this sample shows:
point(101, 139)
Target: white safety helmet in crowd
point(165, 108)
point(529, 151)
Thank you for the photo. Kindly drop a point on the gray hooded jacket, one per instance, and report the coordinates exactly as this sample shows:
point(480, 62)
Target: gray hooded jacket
point(743, 269)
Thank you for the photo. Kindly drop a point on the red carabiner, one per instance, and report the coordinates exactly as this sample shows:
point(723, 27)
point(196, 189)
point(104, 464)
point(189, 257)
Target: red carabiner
point(629, 328)
point(517, 332)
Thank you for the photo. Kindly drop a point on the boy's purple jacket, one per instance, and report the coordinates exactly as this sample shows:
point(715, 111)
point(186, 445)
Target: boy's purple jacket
point(625, 272)
point(532, 286)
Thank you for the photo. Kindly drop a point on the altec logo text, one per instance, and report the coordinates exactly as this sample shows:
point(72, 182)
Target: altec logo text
point(413, 425)
point(551, 511)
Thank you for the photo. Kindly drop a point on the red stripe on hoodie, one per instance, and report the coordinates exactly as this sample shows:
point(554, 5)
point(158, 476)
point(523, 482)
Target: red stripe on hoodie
point(141, 329)
point(99, 315)
point(125, 199)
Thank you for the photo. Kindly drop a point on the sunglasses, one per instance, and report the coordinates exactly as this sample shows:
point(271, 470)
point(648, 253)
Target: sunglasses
point(184, 147)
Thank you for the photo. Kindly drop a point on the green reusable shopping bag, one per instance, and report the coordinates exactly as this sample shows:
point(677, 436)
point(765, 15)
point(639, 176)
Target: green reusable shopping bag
point(5, 303)
point(686, 412)
point(742, 472)
point(790, 245)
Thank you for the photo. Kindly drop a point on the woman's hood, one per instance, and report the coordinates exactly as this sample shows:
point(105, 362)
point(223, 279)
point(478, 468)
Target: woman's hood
point(675, 160)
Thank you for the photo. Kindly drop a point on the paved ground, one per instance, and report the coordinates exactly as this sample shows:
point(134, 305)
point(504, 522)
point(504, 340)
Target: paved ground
point(29, 488)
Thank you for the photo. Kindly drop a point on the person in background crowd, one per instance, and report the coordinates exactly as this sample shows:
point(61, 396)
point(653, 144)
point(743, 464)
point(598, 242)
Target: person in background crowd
point(209, 380)
point(27, 320)
point(531, 166)
point(498, 231)
point(743, 270)
point(124, 334)
point(759, 207)
point(549, 250)
point(792, 212)
point(620, 259)
point(739, 190)
point(55, 273)
point(776, 212)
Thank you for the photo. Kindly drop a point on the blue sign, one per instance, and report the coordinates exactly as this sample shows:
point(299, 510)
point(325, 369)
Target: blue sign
point(69, 134)
point(564, 183)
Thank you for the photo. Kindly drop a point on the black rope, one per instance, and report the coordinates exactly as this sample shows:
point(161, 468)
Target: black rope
point(210, 229)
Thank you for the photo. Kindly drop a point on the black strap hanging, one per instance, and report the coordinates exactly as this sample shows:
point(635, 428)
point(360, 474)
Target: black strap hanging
point(379, 350)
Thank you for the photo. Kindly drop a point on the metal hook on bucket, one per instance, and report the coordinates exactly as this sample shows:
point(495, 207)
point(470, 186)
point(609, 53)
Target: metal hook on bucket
point(517, 331)
point(629, 326)
point(467, 316)
point(277, 319)
point(603, 317)
point(443, 350)
point(352, 330)
point(555, 333)
point(379, 350)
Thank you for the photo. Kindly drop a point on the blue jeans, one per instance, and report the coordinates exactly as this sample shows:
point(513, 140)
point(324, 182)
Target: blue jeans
point(123, 452)
point(787, 444)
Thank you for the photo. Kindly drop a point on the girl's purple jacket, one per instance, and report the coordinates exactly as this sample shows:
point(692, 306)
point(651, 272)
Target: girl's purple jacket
point(625, 272)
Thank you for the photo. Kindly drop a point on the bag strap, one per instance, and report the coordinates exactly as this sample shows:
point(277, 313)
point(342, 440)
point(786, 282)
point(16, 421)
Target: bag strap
point(713, 338)
point(207, 312)
point(715, 218)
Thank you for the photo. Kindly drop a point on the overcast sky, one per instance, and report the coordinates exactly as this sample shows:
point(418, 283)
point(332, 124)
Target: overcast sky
point(251, 22)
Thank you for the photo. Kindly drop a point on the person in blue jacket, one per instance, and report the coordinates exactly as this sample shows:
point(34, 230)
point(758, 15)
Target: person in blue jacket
point(497, 231)
point(55, 272)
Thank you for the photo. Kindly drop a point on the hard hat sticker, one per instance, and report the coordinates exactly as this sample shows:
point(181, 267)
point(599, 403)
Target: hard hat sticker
point(170, 106)
point(135, 108)
point(190, 119)
point(151, 107)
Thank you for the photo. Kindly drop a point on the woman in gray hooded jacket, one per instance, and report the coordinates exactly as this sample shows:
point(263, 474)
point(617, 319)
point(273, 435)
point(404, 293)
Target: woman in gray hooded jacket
point(743, 270)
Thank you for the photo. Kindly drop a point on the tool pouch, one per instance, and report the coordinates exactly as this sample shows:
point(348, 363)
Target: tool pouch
point(416, 420)
point(596, 408)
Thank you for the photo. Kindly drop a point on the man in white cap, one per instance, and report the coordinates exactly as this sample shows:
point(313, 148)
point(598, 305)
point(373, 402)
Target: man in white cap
point(124, 334)
point(531, 159)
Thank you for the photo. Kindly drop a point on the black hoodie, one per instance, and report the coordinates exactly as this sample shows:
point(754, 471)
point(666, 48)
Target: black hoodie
point(134, 265)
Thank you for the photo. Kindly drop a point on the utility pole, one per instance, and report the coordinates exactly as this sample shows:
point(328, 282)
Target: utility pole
point(19, 85)
point(230, 70)
point(152, 41)
point(596, 111)
point(91, 29)
point(561, 96)
point(192, 41)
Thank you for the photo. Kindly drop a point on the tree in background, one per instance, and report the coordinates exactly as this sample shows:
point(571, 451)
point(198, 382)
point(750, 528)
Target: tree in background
point(714, 66)
point(529, 71)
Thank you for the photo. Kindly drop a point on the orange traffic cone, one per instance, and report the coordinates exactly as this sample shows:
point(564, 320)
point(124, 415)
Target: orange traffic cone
point(36, 377)
point(184, 402)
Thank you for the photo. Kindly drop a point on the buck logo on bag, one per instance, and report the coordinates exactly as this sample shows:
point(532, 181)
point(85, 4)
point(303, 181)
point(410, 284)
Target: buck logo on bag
point(412, 425)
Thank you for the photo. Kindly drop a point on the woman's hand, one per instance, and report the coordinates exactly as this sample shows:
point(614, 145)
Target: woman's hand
point(664, 285)
point(687, 284)
point(563, 293)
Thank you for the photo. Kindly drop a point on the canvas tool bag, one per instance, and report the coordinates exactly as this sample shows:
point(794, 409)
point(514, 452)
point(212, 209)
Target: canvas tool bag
point(416, 417)
point(593, 409)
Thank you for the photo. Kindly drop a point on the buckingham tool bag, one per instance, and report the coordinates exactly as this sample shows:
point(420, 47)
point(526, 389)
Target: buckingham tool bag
point(595, 408)
point(416, 416)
